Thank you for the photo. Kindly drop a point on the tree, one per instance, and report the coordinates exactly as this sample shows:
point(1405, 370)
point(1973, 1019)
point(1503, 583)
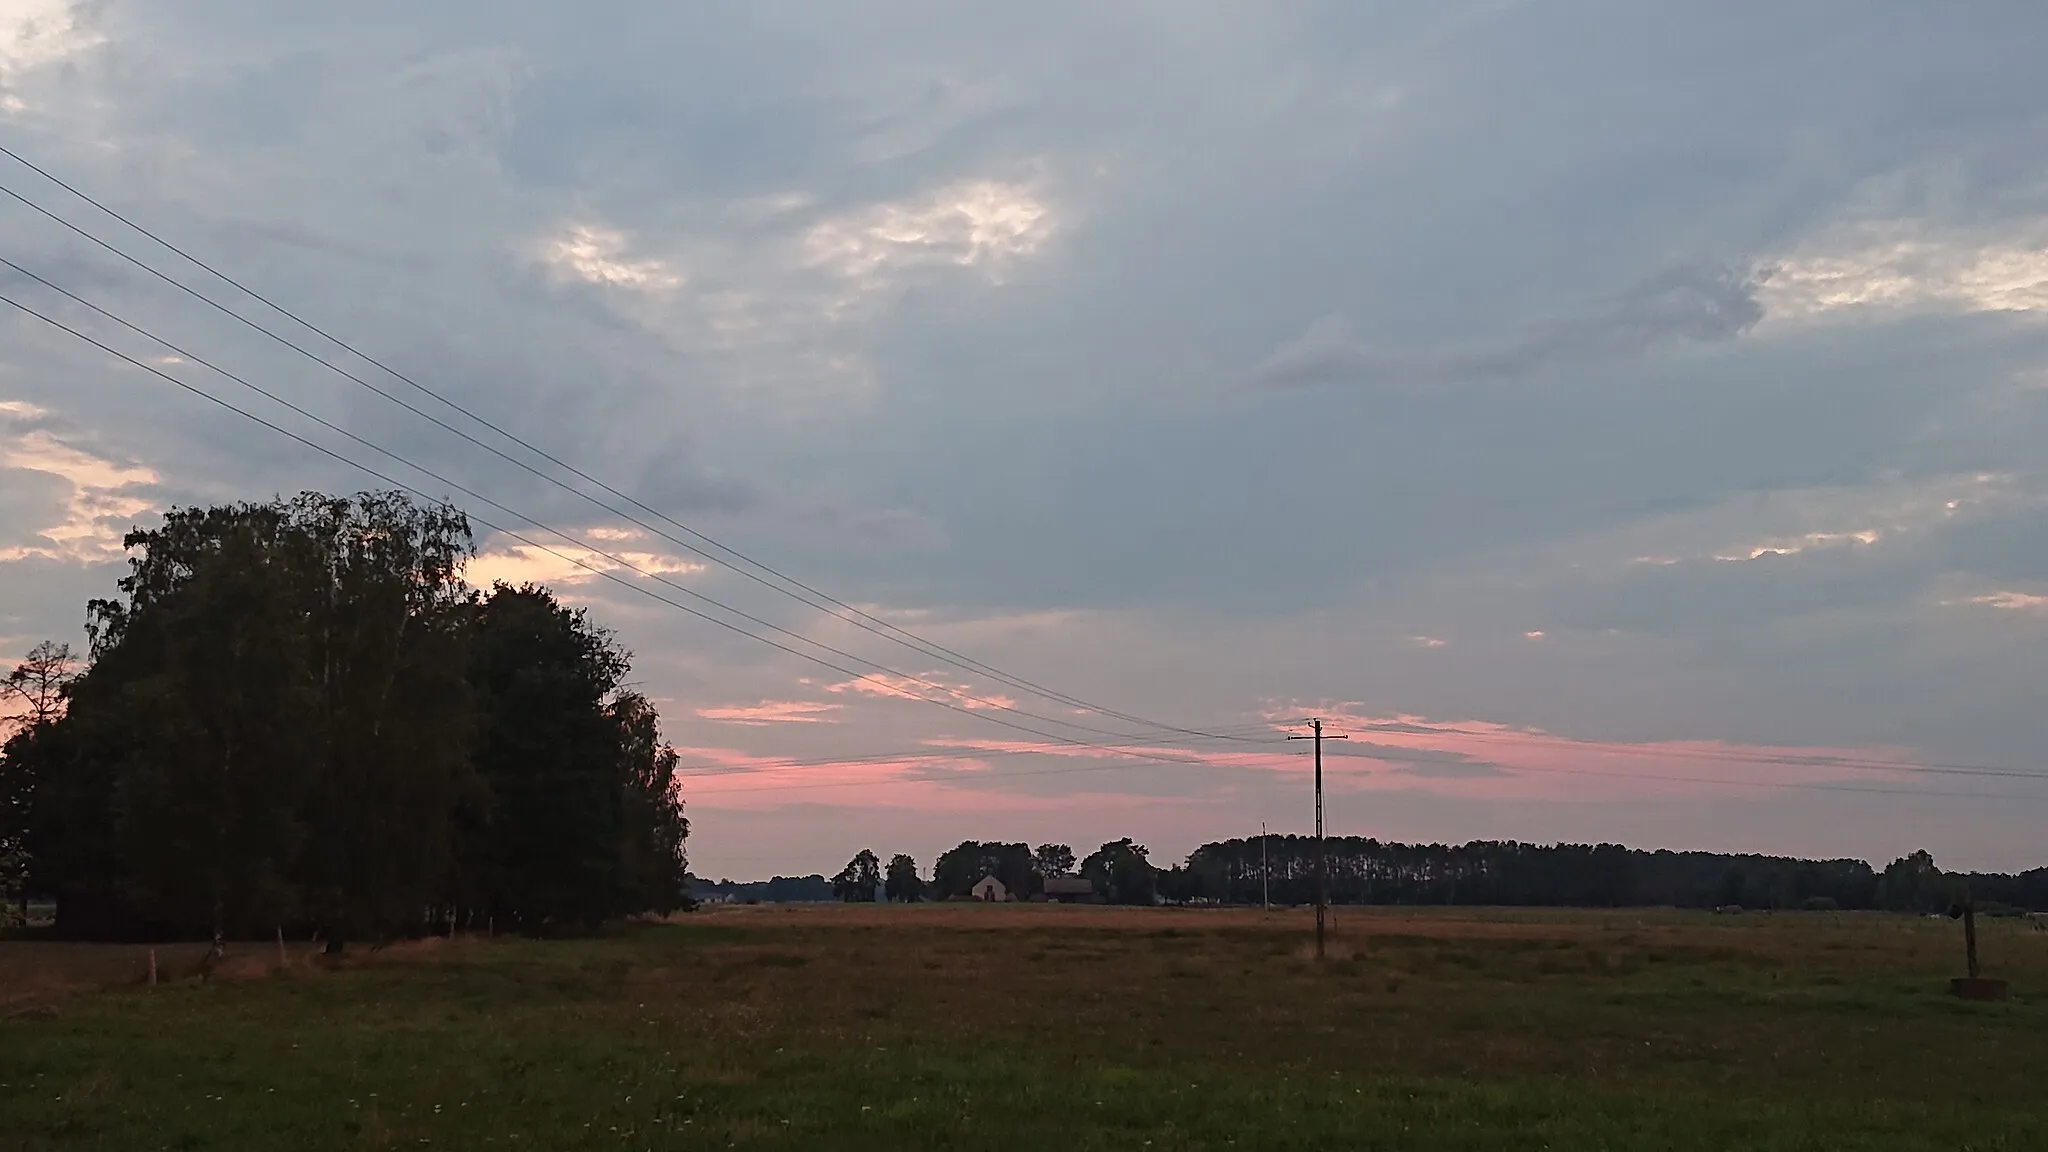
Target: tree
point(541, 832)
point(903, 883)
point(1121, 873)
point(961, 867)
point(390, 649)
point(37, 686)
point(33, 695)
point(1913, 884)
point(859, 879)
point(653, 830)
point(299, 712)
point(203, 707)
point(1051, 860)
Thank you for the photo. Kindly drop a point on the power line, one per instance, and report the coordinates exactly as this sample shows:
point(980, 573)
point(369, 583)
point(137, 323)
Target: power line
point(473, 494)
point(926, 754)
point(1927, 793)
point(1735, 756)
point(1731, 757)
point(899, 780)
point(845, 611)
point(1792, 784)
point(857, 616)
point(930, 750)
point(531, 543)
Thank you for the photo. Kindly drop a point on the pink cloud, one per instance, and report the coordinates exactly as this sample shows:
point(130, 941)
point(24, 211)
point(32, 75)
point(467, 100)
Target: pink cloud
point(924, 782)
point(1485, 760)
point(883, 684)
point(929, 780)
point(1468, 759)
point(774, 712)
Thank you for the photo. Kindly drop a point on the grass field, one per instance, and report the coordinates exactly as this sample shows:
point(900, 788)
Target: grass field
point(1052, 1028)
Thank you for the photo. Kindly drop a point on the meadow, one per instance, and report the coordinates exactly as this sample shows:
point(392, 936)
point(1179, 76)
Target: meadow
point(999, 1027)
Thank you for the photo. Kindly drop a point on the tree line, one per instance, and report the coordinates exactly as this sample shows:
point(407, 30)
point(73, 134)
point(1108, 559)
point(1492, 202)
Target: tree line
point(1368, 871)
point(1118, 873)
point(297, 714)
point(1362, 870)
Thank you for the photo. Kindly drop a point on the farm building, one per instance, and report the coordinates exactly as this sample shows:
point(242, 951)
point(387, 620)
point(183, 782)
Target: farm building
point(1070, 889)
point(990, 889)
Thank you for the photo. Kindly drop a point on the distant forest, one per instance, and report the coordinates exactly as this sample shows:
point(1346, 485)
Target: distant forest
point(1367, 871)
point(296, 716)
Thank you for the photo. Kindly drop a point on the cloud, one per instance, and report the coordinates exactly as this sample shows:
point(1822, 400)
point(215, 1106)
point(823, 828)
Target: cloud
point(956, 316)
point(981, 224)
point(599, 255)
point(773, 712)
point(561, 563)
point(1505, 760)
point(892, 687)
point(1902, 266)
point(35, 34)
point(101, 498)
point(2013, 602)
point(1693, 304)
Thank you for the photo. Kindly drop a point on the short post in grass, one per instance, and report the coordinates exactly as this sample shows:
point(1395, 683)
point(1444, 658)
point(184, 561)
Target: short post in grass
point(152, 967)
point(1974, 986)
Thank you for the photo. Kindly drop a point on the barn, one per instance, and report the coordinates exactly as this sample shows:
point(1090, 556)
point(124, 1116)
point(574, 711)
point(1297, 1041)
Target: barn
point(1070, 890)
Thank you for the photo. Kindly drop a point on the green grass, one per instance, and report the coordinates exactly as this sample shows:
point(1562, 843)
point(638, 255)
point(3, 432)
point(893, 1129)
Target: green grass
point(1070, 1029)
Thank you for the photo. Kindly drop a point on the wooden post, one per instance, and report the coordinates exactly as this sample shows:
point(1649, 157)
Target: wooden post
point(282, 962)
point(1970, 934)
point(152, 967)
point(1974, 986)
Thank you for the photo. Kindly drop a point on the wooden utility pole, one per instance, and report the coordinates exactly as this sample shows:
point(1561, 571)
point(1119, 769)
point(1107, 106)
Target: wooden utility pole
point(1322, 865)
point(1265, 871)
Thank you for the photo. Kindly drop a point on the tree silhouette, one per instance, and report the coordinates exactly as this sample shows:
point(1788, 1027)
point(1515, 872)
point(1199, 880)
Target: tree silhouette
point(903, 883)
point(1121, 873)
point(297, 712)
point(1052, 860)
point(32, 697)
point(857, 882)
point(959, 868)
point(37, 686)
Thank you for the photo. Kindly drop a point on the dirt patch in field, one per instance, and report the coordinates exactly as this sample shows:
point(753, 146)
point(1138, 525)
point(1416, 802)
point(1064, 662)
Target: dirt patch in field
point(40, 972)
point(1356, 923)
point(34, 973)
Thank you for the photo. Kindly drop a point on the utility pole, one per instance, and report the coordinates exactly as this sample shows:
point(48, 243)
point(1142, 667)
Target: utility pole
point(1265, 871)
point(1322, 865)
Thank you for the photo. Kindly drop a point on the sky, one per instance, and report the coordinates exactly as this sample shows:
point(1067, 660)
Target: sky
point(1624, 421)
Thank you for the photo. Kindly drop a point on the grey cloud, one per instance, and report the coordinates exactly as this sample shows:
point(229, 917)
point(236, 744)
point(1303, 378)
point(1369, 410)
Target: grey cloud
point(1425, 763)
point(1694, 304)
point(1442, 178)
